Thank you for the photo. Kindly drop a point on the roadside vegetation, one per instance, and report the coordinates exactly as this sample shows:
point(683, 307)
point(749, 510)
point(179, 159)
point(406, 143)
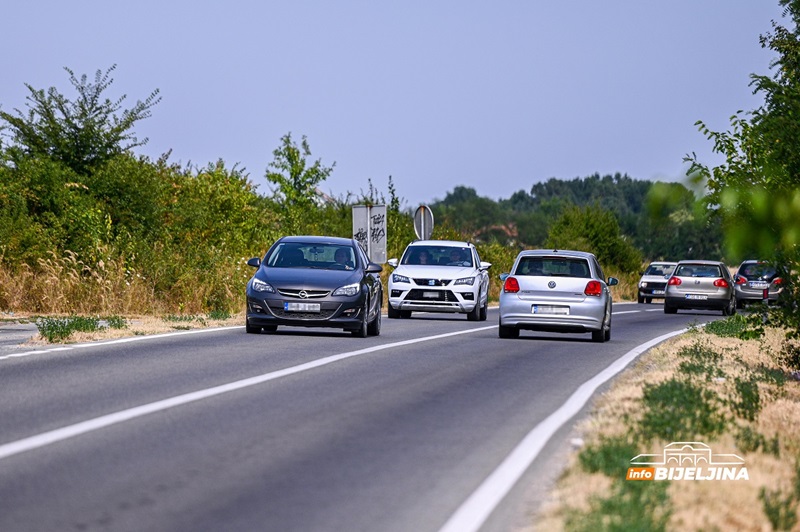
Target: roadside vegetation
point(732, 385)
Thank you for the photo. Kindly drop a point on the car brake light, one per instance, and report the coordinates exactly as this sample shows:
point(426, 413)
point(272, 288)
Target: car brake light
point(674, 281)
point(721, 283)
point(777, 280)
point(741, 280)
point(593, 288)
point(511, 286)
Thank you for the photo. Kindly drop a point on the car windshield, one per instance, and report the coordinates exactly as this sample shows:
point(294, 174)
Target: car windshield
point(438, 256)
point(660, 269)
point(553, 267)
point(319, 256)
point(698, 270)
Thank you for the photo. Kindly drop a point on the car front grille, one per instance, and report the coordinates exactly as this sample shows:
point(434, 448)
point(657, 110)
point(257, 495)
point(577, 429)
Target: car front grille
point(322, 315)
point(309, 294)
point(656, 286)
point(433, 282)
point(432, 295)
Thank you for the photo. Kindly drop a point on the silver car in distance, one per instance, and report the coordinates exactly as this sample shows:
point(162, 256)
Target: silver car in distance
point(556, 291)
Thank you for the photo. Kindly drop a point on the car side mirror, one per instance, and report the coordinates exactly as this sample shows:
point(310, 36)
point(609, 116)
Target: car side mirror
point(374, 268)
point(485, 266)
point(255, 262)
point(612, 281)
point(392, 262)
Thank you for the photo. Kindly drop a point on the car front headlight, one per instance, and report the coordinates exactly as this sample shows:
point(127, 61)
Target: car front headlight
point(260, 286)
point(465, 280)
point(349, 290)
point(397, 278)
point(642, 285)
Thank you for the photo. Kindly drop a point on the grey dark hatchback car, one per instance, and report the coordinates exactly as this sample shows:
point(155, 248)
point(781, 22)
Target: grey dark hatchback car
point(700, 285)
point(315, 281)
point(753, 279)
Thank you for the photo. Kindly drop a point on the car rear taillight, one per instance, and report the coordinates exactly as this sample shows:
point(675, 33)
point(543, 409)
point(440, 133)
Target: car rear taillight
point(741, 280)
point(674, 281)
point(721, 283)
point(593, 288)
point(777, 280)
point(511, 286)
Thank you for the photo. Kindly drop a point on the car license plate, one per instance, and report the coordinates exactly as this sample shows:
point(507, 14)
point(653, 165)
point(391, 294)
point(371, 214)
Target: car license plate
point(760, 285)
point(696, 296)
point(300, 307)
point(430, 295)
point(658, 292)
point(550, 309)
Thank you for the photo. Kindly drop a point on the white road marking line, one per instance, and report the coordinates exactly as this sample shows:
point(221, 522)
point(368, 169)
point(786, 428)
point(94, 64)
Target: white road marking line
point(474, 511)
point(53, 436)
point(655, 310)
point(118, 341)
point(625, 312)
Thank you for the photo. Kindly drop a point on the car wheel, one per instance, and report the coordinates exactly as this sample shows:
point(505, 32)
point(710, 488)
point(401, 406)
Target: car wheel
point(392, 313)
point(374, 328)
point(405, 314)
point(648, 300)
point(607, 336)
point(475, 313)
point(729, 310)
point(508, 332)
point(362, 331)
point(640, 299)
point(251, 329)
point(484, 309)
point(599, 336)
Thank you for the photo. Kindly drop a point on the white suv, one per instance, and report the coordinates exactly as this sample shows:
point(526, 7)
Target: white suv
point(439, 276)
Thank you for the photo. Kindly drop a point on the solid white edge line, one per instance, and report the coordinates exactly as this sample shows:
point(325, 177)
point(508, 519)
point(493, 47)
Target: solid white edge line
point(473, 512)
point(53, 436)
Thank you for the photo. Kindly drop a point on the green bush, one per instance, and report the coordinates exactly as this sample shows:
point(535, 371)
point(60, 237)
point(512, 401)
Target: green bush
point(677, 410)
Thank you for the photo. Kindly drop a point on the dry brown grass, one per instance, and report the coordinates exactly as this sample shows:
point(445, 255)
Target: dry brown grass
point(699, 505)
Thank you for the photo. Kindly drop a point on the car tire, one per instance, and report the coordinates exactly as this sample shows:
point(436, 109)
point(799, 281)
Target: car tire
point(607, 335)
point(669, 309)
point(475, 313)
point(392, 313)
point(484, 310)
point(640, 300)
point(250, 329)
point(362, 331)
point(599, 336)
point(405, 314)
point(730, 310)
point(374, 327)
point(648, 300)
point(508, 332)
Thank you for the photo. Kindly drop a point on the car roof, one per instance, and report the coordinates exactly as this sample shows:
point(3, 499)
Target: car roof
point(446, 243)
point(705, 262)
point(310, 239)
point(556, 252)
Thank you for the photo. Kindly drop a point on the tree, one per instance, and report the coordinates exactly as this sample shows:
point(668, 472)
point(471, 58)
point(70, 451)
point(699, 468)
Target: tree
point(297, 182)
point(756, 191)
point(595, 230)
point(84, 133)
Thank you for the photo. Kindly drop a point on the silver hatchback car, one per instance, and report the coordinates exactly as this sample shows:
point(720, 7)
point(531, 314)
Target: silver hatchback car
point(700, 284)
point(556, 291)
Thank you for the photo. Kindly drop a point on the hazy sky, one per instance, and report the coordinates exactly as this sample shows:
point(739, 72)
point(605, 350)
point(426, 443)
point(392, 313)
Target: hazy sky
point(492, 95)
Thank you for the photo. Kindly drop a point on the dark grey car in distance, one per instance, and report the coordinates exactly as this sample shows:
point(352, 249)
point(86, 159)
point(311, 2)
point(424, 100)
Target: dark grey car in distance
point(315, 281)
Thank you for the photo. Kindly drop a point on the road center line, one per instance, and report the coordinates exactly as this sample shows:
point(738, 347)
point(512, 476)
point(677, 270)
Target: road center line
point(474, 511)
point(57, 435)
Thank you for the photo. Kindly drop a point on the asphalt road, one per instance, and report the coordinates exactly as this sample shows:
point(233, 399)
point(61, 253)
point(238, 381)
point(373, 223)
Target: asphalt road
point(306, 429)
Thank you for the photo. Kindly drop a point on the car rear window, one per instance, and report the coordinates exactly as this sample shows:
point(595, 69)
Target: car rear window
point(759, 270)
point(698, 270)
point(553, 267)
point(659, 269)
